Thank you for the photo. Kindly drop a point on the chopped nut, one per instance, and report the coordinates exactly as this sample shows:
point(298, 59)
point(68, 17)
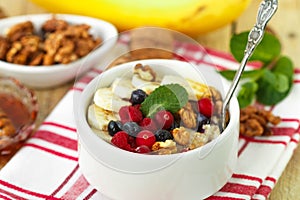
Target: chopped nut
point(62, 43)
point(36, 58)
point(23, 51)
point(188, 116)
point(254, 121)
point(17, 31)
point(215, 94)
point(211, 131)
point(166, 144)
point(16, 47)
point(145, 72)
point(181, 136)
point(30, 43)
point(54, 24)
point(198, 140)
point(252, 127)
point(4, 47)
point(65, 52)
point(84, 46)
point(218, 105)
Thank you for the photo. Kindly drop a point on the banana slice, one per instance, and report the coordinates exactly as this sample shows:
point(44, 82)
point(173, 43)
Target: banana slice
point(137, 81)
point(122, 87)
point(102, 134)
point(107, 100)
point(150, 87)
point(147, 86)
point(169, 79)
point(200, 90)
point(99, 118)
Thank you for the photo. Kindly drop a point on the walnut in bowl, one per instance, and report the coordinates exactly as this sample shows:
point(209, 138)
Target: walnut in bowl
point(42, 51)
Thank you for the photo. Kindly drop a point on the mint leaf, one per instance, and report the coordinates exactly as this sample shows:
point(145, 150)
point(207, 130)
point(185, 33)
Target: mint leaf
point(251, 74)
point(284, 66)
point(270, 94)
point(171, 97)
point(282, 83)
point(268, 49)
point(273, 87)
point(247, 93)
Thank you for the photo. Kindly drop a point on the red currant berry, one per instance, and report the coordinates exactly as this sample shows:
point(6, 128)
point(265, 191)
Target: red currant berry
point(165, 118)
point(145, 137)
point(205, 107)
point(142, 149)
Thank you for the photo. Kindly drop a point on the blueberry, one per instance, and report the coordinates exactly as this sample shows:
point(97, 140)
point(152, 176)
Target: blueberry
point(132, 128)
point(114, 127)
point(137, 96)
point(176, 123)
point(163, 135)
point(201, 120)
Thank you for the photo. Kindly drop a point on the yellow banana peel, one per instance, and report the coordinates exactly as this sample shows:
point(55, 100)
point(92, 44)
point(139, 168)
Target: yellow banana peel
point(192, 17)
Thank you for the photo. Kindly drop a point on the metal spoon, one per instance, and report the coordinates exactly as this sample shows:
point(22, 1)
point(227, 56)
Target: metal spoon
point(266, 10)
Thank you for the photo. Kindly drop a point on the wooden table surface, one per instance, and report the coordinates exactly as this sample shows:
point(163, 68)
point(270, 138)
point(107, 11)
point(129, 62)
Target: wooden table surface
point(285, 23)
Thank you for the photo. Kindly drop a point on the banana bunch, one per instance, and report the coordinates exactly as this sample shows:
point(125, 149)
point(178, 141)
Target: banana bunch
point(191, 17)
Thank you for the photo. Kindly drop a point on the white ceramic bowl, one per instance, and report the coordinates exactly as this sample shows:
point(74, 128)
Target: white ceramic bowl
point(54, 75)
point(120, 174)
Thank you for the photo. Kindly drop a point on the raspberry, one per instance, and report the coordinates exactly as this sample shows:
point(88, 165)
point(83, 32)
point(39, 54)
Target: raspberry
point(165, 118)
point(120, 139)
point(145, 137)
point(130, 113)
point(131, 142)
point(137, 106)
point(205, 107)
point(148, 124)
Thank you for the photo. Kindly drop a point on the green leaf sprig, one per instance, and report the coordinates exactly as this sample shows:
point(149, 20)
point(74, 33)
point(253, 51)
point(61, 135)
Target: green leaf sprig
point(171, 97)
point(269, 84)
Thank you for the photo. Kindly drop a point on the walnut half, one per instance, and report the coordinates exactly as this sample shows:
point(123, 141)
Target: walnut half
point(255, 121)
point(188, 116)
point(145, 72)
point(181, 136)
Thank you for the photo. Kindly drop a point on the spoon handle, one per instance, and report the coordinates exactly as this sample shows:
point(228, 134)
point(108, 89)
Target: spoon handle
point(266, 10)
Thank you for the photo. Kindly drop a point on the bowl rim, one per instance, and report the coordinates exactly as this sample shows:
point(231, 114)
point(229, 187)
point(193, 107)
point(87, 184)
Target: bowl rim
point(109, 38)
point(86, 139)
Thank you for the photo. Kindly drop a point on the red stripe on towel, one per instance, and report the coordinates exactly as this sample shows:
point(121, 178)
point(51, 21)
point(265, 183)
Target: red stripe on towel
point(238, 188)
point(67, 179)
point(247, 177)
point(14, 196)
point(266, 141)
point(60, 126)
point(56, 139)
point(79, 186)
point(25, 191)
point(51, 151)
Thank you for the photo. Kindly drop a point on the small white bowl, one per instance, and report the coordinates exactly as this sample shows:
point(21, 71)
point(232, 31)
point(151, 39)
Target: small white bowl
point(120, 174)
point(54, 75)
